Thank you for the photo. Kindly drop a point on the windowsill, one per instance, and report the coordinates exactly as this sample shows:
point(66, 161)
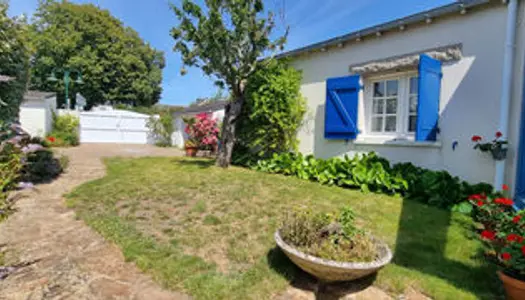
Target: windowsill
point(391, 141)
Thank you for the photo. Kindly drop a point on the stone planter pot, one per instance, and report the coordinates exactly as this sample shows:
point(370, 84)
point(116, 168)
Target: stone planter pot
point(332, 271)
point(514, 288)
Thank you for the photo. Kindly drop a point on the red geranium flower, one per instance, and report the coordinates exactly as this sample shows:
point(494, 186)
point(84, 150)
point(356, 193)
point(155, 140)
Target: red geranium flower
point(523, 250)
point(514, 238)
point(516, 219)
point(499, 134)
point(51, 139)
point(476, 138)
point(489, 235)
point(480, 203)
point(504, 201)
point(475, 197)
point(505, 187)
point(506, 256)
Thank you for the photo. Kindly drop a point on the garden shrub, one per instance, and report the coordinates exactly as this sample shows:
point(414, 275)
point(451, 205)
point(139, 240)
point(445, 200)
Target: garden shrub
point(65, 131)
point(272, 113)
point(14, 63)
point(162, 128)
point(203, 131)
point(370, 172)
point(332, 236)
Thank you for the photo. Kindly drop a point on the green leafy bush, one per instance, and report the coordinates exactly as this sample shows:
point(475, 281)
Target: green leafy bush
point(162, 128)
point(331, 236)
point(273, 111)
point(14, 63)
point(370, 172)
point(65, 131)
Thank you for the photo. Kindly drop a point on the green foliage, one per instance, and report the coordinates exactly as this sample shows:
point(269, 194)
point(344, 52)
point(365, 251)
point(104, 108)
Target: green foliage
point(116, 64)
point(225, 40)
point(162, 128)
point(329, 236)
point(437, 188)
point(367, 172)
point(273, 111)
point(65, 131)
point(149, 110)
point(10, 166)
point(370, 172)
point(14, 63)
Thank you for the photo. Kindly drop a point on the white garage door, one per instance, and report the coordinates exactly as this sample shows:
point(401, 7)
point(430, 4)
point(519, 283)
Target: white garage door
point(114, 126)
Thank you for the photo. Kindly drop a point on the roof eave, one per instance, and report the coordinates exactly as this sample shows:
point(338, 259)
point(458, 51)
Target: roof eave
point(448, 9)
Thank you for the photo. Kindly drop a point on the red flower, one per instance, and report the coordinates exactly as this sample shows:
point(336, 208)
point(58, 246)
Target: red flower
point(514, 238)
point(505, 187)
point(51, 139)
point(516, 219)
point(476, 138)
point(523, 250)
point(475, 197)
point(504, 201)
point(480, 203)
point(489, 235)
point(506, 256)
point(499, 134)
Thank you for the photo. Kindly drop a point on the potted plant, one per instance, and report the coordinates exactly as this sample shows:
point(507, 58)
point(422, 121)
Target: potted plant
point(330, 246)
point(497, 147)
point(502, 231)
point(191, 147)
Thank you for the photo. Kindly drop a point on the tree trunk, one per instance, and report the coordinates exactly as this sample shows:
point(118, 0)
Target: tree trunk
point(232, 112)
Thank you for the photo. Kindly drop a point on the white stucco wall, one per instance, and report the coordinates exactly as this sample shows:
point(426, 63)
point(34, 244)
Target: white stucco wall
point(470, 93)
point(36, 116)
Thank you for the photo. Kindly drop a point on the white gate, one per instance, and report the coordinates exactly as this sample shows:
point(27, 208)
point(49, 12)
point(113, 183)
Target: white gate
point(114, 126)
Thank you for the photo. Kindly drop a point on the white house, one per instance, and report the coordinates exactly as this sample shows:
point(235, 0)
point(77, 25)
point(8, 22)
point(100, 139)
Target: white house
point(216, 108)
point(36, 112)
point(418, 88)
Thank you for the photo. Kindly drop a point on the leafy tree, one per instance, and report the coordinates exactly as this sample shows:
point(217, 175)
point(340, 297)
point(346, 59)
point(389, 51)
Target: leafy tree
point(227, 41)
point(14, 63)
point(273, 111)
point(116, 64)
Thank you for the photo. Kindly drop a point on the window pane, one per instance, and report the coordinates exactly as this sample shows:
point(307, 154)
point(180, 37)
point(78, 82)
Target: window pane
point(379, 89)
point(413, 104)
point(391, 106)
point(377, 124)
point(390, 125)
point(414, 85)
point(378, 106)
point(391, 88)
point(412, 121)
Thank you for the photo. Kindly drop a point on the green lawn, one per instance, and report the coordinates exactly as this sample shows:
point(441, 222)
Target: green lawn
point(209, 232)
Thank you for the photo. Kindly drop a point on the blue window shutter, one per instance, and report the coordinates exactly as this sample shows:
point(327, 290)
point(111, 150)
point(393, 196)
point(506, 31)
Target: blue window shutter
point(342, 96)
point(430, 75)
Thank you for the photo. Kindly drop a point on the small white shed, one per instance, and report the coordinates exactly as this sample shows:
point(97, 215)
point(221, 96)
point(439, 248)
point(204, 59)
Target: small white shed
point(36, 112)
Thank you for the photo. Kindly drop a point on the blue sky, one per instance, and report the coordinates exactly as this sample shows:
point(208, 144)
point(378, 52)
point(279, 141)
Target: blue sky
point(310, 21)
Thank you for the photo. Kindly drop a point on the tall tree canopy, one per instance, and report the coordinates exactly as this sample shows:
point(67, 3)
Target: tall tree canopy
point(14, 64)
point(227, 41)
point(116, 64)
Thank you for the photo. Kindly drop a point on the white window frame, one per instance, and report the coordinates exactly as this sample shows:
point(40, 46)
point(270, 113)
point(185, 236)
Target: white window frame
point(403, 106)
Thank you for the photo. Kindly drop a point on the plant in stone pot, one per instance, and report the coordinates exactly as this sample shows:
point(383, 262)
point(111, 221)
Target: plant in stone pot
point(330, 246)
point(502, 230)
point(191, 147)
point(498, 147)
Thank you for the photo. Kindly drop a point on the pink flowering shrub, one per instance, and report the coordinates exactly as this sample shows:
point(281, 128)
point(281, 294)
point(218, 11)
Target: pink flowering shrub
point(203, 130)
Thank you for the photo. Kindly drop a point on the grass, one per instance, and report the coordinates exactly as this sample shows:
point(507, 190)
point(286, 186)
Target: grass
point(209, 232)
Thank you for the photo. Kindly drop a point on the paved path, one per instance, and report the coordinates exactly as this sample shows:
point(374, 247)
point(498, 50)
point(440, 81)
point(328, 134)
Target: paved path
point(71, 261)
